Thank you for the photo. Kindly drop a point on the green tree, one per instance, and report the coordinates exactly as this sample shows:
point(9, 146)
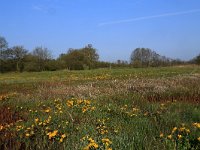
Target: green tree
point(90, 56)
point(73, 60)
point(42, 55)
point(197, 60)
point(19, 53)
point(4, 55)
point(78, 59)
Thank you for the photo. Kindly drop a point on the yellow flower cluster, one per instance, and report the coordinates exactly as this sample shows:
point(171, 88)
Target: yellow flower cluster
point(130, 112)
point(92, 145)
point(43, 123)
point(52, 134)
point(84, 105)
point(177, 133)
point(29, 131)
point(107, 143)
point(6, 126)
point(197, 125)
point(4, 97)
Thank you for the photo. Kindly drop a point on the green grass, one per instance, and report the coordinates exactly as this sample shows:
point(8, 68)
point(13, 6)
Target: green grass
point(130, 108)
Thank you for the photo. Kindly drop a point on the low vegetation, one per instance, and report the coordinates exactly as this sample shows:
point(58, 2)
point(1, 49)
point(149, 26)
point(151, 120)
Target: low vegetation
point(143, 108)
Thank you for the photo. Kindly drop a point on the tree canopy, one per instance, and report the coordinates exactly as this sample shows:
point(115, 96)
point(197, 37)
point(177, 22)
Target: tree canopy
point(78, 59)
point(145, 57)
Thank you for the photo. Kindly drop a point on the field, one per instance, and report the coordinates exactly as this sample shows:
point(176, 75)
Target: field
point(138, 108)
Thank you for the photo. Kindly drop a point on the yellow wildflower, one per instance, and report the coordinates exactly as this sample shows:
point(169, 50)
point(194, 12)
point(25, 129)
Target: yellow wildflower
point(174, 129)
point(79, 102)
point(161, 135)
point(91, 140)
point(182, 129)
point(61, 140)
point(36, 120)
point(169, 136)
point(196, 125)
point(87, 102)
point(179, 136)
point(198, 139)
point(84, 109)
point(47, 110)
point(1, 127)
point(27, 134)
point(70, 103)
point(52, 134)
point(93, 108)
point(106, 141)
point(91, 146)
point(63, 136)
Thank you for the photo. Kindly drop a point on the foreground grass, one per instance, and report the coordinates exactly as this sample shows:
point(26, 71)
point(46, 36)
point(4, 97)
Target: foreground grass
point(155, 108)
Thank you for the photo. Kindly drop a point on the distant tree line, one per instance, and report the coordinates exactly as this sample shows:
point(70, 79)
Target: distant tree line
point(19, 59)
point(145, 57)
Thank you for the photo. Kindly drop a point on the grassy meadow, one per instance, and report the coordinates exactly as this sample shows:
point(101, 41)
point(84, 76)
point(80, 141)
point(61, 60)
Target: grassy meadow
point(119, 109)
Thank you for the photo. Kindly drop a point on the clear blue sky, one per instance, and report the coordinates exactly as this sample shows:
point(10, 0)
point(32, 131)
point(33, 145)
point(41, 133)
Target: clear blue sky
point(114, 27)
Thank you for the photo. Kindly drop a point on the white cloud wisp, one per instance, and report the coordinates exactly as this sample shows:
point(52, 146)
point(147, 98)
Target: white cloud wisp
point(149, 17)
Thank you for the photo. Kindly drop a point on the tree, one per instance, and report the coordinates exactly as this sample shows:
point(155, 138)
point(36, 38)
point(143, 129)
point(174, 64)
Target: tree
point(145, 57)
point(4, 54)
point(19, 53)
point(42, 55)
point(141, 56)
point(196, 60)
point(90, 56)
point(73, 60)
point(3, 43)
point(78, 59)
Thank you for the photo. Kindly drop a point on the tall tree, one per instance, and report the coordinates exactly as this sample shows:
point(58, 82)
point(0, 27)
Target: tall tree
point(90, 56)
point(19, 53)
point(42, 55)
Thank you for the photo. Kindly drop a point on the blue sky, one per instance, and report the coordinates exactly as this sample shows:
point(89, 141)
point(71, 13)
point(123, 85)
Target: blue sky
point(114, 27)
